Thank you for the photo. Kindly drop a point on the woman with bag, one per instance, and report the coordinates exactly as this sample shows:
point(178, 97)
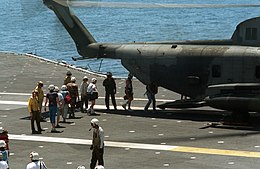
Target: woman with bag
point(129, 95)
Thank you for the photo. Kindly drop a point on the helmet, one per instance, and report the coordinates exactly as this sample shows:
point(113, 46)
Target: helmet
point(73, 79)
point(63, 87)
point(68, 73)
point(2, 144)
point(99, 167)
point(56, 89)
point(109, 74)
point(34, 156)
point(51, 87)
point(93, 80)
point(81, 167)
point(85, 78)
point(94, 121)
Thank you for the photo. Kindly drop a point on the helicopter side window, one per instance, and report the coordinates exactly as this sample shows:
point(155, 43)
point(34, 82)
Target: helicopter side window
point(216, 71)
point(257, 72)
point(251, 33)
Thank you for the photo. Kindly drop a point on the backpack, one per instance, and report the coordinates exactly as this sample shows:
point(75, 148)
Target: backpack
point(67, 98)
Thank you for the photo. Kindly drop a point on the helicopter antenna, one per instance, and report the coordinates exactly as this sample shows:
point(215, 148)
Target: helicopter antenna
point(100, 65)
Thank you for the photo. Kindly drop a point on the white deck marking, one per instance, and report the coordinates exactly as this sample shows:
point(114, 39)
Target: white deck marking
point(13, 102)
point(89, 142)
point(182, 149)
point(25, 103)
point(20, 103)
point(17, 94)
point(117, 98)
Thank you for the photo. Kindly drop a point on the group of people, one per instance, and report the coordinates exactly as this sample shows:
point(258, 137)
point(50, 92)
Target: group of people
point(110, 89)
point(62, 103)
point(88, 93)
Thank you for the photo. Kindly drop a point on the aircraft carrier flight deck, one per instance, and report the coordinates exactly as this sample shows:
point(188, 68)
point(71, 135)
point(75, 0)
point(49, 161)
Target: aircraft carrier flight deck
point(171, 138)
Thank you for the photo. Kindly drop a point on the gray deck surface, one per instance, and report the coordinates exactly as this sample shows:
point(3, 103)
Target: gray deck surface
point(178, 139)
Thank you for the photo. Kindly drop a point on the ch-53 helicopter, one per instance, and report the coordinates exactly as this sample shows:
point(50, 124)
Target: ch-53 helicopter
point(223, 74)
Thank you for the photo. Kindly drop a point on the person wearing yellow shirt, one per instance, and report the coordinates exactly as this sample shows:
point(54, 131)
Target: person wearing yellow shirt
point(34, 110)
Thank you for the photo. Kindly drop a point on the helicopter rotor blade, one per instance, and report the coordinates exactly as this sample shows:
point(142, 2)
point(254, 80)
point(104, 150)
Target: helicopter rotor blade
point(89, 4)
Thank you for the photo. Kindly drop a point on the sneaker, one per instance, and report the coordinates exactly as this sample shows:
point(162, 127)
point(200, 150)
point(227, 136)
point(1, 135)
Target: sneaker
point(124, 106)
point(34, 132)
point(58, 126)
point(54, 131)
point(88, 112)
point(92, 111)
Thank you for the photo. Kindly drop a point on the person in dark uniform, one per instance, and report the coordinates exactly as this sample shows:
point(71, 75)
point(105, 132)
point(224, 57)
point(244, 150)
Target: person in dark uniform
point(110, 88)
point(151, 90)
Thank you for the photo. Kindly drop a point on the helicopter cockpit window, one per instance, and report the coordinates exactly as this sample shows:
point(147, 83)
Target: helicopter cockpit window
point(251, 33)
point(257, 72)
point(216, 70)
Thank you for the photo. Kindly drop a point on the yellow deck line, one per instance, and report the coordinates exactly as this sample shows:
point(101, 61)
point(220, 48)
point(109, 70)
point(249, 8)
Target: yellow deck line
point(217, 152)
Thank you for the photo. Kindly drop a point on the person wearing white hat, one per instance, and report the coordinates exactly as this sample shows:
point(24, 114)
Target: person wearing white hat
point(3, 164)
point(99, 167)
point(81, 167)
point(35, 162)
point(59, 111)
point(3, 151)
point(83, 92)
point(97, 146)
point(92, 94)
point(67, 101)
point(52, 98)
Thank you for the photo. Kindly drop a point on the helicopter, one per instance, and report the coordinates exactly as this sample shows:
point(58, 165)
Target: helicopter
point(223, 74)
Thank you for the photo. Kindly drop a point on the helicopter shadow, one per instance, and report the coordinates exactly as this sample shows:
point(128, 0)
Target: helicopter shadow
point(213, 118)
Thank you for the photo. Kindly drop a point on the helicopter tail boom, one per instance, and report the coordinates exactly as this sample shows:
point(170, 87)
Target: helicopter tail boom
point(73, 25)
